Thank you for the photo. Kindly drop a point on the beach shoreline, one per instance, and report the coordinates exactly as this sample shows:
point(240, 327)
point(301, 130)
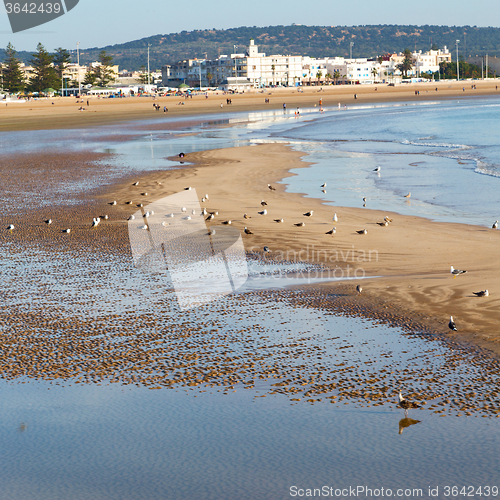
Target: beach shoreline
point(405, 267)
point(65, 113)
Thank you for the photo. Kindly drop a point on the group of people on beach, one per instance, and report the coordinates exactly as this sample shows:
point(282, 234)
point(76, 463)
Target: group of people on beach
point(157, 107)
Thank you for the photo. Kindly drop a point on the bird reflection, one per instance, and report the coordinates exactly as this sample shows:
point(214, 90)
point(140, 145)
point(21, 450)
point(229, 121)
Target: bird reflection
point(22, 427)
point(406, 422)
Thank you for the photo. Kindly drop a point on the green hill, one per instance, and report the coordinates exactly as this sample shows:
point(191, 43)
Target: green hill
point(316, 41)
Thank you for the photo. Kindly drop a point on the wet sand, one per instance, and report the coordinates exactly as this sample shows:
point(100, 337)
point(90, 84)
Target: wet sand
point(410, 258)
point(65, 112)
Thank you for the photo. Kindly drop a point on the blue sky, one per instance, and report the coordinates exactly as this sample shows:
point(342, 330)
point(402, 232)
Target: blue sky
point(96, 23)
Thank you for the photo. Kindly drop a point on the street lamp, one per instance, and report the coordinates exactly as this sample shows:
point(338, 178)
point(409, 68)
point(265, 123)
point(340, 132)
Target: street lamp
point(235, 70)
point(350, 48)
point(78, 63)
point(458, 74)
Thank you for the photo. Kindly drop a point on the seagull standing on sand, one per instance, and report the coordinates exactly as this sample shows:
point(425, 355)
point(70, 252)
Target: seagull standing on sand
point(332, 231)
point(271, 188)
point(210, 217)
point(300, 224)
point(264, 212)
point(132, 217)
point(408, 195)
point(267, 250)
point(135, 183)
point(263, 203)
point(48, 221)
point(11, 227)
point(363, 231)
point(495, 225)
point(385, 223)
point(456, 272)
point(376, 169)
point(95, 221)
point(67, 231)
point(279, 220)
point(247, 231)
point(323, 185)
point(246, 216)
point(483, 293)
point(406, 405)
point(308, 214)
point(335, 218)
point(359, 289)
point(451, 325)
point(112, 202)
point(227, 222)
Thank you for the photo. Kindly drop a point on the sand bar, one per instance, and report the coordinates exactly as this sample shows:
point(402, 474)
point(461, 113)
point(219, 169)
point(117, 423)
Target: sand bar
point(411, 258)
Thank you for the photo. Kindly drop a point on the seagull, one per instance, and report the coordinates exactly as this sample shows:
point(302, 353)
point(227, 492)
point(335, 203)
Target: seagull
point(206, 197)
point(279, 220)
point(183, 209)
point(188, 188)
point(385, 223)
point(408, 195)
point(165, 224)
point(170, 215)
point(211, 232)
point(140, 205)
point(264, 212)
point(495, 225)
point(483, 293)
point(204, 212)
point(147, 214)
point(210, 217)
point(387, 219)
point(143, 227)
point(363, 231)
point(267, 249)
point(48, 221)
point(364, 199)
point(247, 231)
point(359, 289)
point(246, 216)
point(308, 214)
point(187, 218)
point(227, 222)
point(193, 212)
point(271, 188)
point(181, 155)
point(451, 325)
point(300, 224)
point(112, 202)
point(376, 169)
point(456, 272)
point(406, 405)
point(67, 230)
point(144, 194)
point(335, 218)
point(95, 221)
point(132, 217)
point(323, 185)
point(263, 203)
point(203, 200)
point(332, 231)
point(158, 182)
point(135, 183)
point(11, 227)
point(129, 202)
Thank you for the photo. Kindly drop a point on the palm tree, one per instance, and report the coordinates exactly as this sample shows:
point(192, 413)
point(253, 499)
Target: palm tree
point(336, 76)
point(273, 67)
point(328, 78)
point(407, 63)
point(319, 74)
point(374, 73)
point(209, 78)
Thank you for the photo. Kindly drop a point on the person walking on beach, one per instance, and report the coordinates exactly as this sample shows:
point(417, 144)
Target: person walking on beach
point(355, 96)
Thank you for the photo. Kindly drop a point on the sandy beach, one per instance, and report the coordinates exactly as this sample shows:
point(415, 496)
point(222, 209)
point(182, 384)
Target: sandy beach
point(406, 265)
point(65, 112)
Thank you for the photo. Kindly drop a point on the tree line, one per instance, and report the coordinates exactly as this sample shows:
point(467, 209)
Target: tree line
point(48, 71)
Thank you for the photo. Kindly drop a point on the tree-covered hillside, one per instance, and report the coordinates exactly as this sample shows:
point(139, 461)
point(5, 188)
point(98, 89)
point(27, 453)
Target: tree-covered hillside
point(316, 41)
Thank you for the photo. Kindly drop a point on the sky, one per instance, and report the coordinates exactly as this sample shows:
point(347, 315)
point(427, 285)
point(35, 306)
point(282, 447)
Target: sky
point(97, 23)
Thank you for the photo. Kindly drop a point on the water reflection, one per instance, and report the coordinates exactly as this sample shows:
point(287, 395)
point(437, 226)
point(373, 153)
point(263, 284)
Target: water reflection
point(406, 422)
